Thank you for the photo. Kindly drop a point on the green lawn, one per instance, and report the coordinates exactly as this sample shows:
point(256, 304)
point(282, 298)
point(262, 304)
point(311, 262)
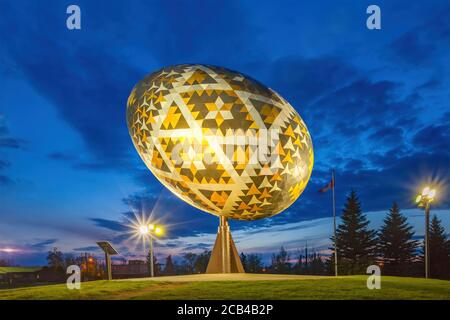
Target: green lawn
point(351, 287)
point(19, 269)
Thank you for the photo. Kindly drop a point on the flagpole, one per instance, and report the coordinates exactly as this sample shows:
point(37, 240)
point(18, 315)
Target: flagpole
point(334, 227)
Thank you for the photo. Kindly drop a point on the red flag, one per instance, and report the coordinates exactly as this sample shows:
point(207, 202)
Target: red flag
point(328, 186)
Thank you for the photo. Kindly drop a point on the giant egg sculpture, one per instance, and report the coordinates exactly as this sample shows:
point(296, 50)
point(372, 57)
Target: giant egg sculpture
point(220, 141)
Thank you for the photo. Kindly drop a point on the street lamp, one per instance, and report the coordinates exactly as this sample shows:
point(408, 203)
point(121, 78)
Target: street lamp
point(143, 230)
point(424, 200)
point(151, 230)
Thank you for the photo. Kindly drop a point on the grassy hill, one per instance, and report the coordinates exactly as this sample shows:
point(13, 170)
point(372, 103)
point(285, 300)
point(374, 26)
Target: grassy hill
point(350, 287)
point(18, 269)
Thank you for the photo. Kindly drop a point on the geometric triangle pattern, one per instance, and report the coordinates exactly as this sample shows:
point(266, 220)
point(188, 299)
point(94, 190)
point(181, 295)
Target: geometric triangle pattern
point(220, 140)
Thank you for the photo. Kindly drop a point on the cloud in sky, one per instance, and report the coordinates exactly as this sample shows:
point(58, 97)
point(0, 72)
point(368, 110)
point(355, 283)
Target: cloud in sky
point(7, 143)
point(109, 224)
point(422, 44)
point(6, 140)
point(61, 156)
point(43, 244)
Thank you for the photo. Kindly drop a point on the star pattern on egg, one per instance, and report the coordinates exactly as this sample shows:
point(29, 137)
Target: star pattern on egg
point(200, 130)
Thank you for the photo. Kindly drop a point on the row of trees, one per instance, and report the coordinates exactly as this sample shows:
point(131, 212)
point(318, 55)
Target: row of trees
point(57, 263)
point(281, 263)
point(197, 263)
point(5, 263)
point(191, 263)
point(394, 247)
point(305, 263)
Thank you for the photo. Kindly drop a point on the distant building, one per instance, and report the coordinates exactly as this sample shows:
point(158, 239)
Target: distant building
point(134, 269)
point(18, 276)
point(136, 262)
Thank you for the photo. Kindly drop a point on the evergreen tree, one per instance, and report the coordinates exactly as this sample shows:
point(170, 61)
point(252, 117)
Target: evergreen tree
point(299, 266)
point(356, 243)
point(189, 259)
point(244, 262)
point(317, 265)
point(254, 264)
point(201, 263)
point(396, 247)
point(439, 250)
point(280, 262)
point(170, 267)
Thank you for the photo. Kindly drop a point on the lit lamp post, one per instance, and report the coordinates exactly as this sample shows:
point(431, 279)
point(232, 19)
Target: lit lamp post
point(151, 230)
point(424, 200)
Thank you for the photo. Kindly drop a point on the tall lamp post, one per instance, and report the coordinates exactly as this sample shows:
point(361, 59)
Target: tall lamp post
point(424, 200)
point(151, 230)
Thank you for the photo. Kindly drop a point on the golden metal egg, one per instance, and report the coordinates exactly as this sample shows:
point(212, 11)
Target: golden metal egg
point(220, 141)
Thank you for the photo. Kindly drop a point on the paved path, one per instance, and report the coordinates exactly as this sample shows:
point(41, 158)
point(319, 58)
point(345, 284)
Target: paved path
point(229, 277)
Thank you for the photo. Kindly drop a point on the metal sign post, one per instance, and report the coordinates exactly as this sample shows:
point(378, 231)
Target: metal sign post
point(109, 251)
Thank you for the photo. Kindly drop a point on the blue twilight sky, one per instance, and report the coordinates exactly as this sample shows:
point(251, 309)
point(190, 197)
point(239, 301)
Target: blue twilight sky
point(376, 103)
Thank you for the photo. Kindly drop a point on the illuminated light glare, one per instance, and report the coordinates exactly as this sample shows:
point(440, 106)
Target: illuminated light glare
point(431, 194)
point(8, 250)
point(426, 197)
point(140, 228)
point(158, 231)
point(143, 230)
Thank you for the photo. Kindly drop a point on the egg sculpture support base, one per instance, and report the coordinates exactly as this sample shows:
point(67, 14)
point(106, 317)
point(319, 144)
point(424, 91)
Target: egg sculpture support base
point(224, 257)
